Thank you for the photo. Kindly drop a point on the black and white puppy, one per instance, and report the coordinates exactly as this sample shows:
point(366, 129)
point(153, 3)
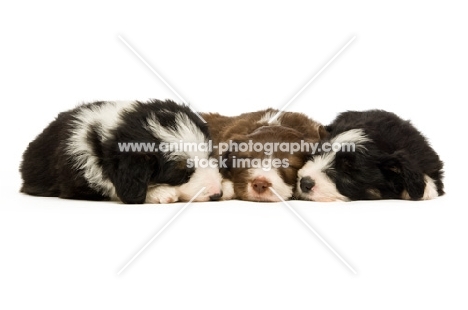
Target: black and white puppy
point(80, 156)
point(391, 160)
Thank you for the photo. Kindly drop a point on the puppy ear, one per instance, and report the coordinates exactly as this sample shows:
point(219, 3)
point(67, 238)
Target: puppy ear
point(322, 132)
point(131, 175)
point(400, 168)
point(345, 161)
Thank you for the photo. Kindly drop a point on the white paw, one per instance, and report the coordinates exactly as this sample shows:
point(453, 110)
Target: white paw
point(228, 190)
point(162, 194)
point(430, 192)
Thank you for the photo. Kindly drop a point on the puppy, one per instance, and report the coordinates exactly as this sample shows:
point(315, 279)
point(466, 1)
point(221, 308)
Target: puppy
point(391, 160)
point(110, 150)
point(254, 172)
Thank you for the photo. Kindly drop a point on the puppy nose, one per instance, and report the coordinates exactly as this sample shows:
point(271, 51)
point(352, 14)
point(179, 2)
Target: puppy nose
point(260, 185)
point(217, 196)
point(307, 184)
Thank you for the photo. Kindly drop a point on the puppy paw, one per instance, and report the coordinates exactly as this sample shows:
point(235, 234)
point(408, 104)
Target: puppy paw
point(430, 191)
point(162, 194)
point(228, 190)
point(415, 186)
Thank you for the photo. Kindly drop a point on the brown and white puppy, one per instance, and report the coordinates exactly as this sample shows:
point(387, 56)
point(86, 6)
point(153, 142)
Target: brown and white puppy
point(254, 172)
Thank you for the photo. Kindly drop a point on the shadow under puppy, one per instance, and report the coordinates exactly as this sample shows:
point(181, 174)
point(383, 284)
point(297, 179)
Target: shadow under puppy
point(80, 156)
point(391, 160)
point(253, 172)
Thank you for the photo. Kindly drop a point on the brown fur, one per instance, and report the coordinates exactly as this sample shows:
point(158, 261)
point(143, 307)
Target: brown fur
point(291, 127)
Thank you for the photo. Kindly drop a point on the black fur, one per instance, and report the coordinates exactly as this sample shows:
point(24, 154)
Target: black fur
point(394, 160)
point(48, 169)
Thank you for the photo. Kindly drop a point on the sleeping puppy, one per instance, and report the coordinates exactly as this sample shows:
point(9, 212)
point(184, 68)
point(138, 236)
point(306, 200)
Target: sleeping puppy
point(110, 150)
point(250, 159)
point(391, 160)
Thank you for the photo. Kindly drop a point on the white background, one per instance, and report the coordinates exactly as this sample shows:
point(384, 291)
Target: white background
point(409, 57)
